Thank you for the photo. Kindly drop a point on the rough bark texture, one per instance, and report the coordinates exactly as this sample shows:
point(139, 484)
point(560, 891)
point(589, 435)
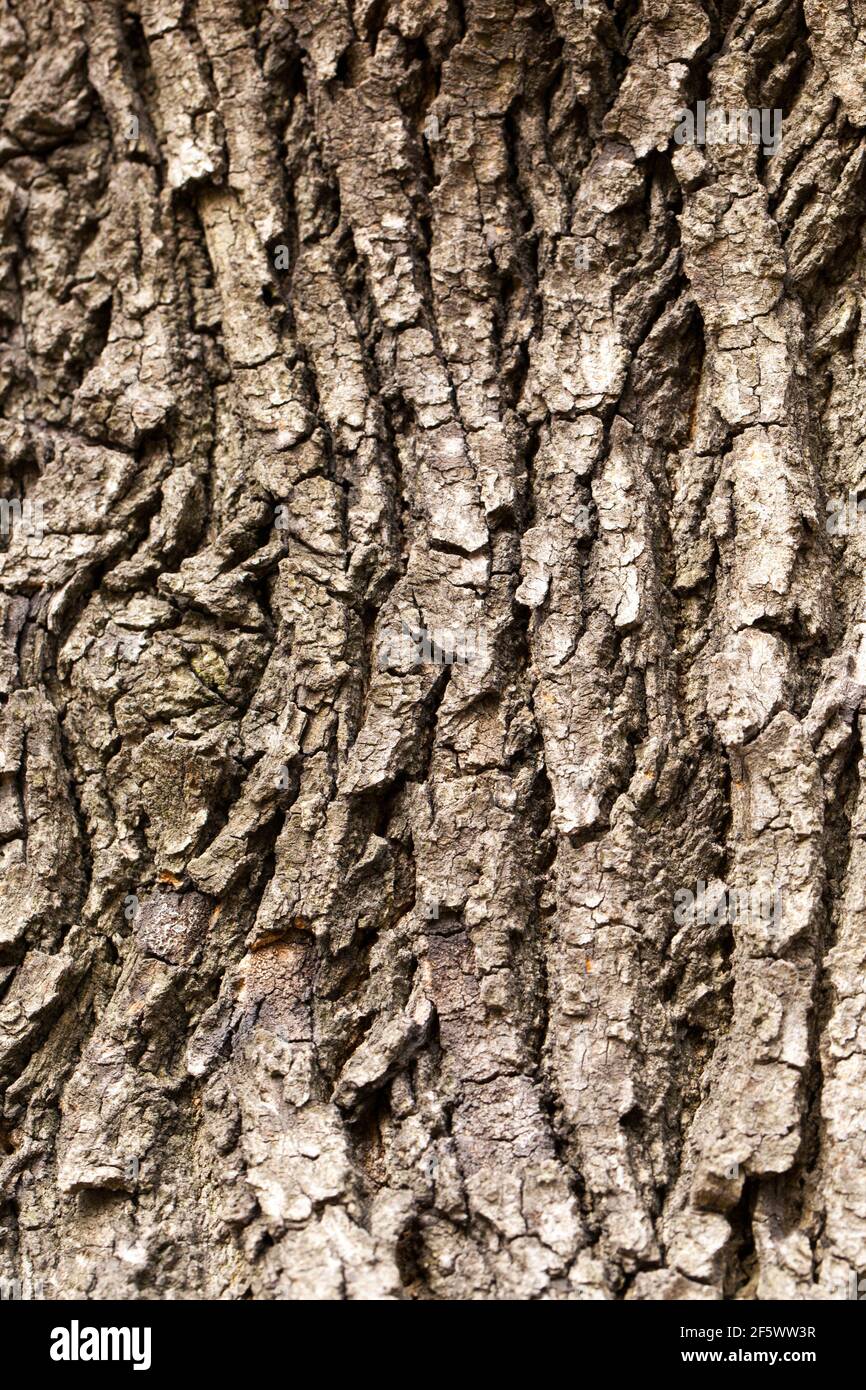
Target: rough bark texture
point(330, 968)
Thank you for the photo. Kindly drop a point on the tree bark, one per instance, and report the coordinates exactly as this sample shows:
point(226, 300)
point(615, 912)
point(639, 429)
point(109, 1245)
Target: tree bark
point(432, 821)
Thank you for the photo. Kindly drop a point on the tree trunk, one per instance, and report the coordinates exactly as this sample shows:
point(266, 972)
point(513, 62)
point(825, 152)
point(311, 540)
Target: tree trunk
point(432, 837)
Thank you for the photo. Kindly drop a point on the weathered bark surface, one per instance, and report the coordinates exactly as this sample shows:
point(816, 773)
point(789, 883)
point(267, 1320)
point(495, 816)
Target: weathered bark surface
point(331, 970)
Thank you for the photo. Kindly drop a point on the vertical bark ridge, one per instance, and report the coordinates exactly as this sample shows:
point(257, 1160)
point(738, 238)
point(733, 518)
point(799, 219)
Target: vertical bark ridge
point(339, 340)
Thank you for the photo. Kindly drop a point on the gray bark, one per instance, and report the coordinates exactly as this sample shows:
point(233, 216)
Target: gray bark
point(430, 553)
